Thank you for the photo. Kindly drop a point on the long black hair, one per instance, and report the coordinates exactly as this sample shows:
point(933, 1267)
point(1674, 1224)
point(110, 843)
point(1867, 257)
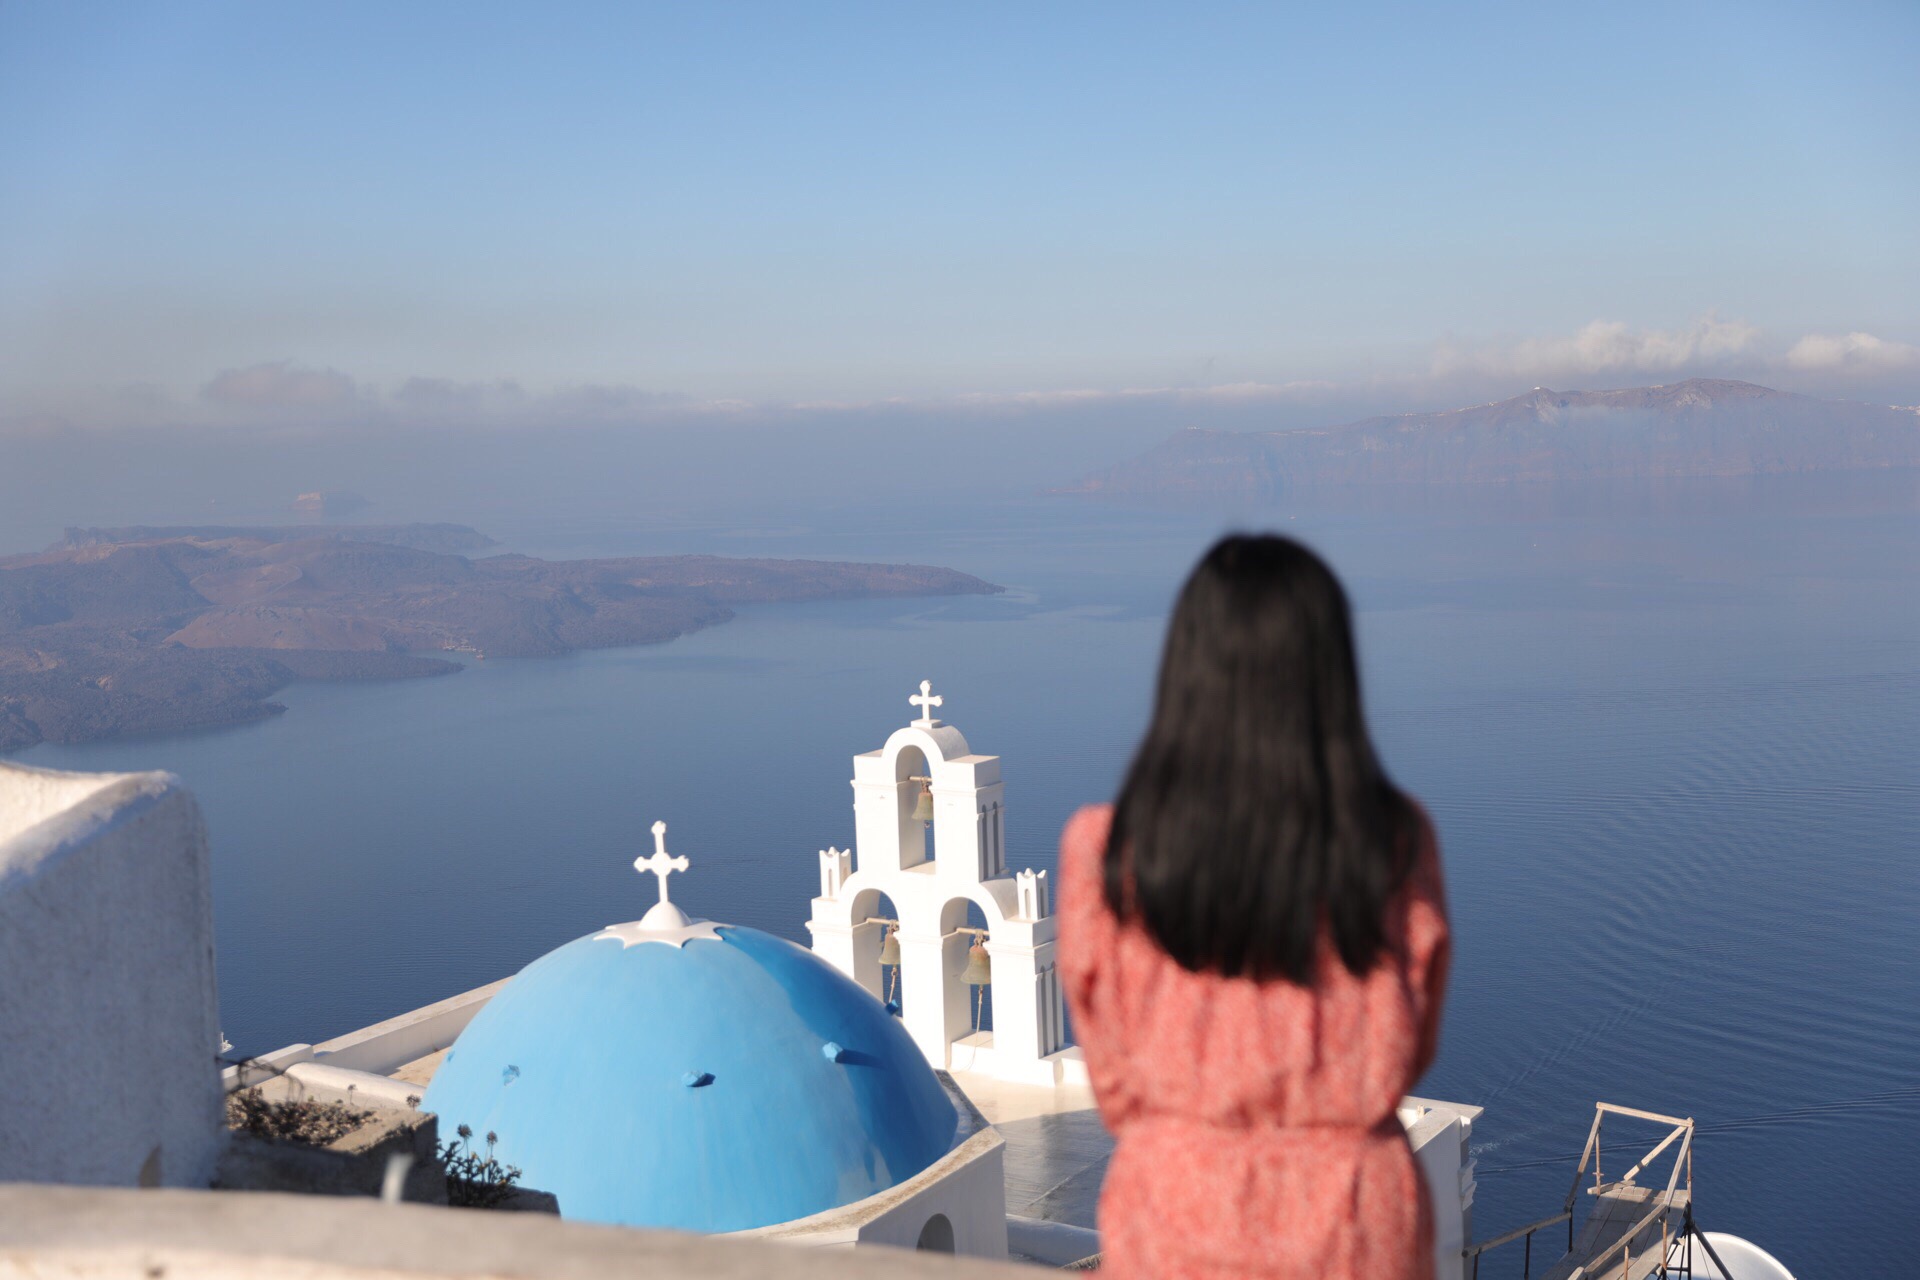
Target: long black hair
point(1256, 812)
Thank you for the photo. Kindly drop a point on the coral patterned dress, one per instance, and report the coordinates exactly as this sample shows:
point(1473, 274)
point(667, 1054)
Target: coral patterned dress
point(1255, 1121)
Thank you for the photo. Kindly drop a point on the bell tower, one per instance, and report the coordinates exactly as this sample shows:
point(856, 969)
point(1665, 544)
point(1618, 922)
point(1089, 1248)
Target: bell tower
point(929, 821)
point(926, 801)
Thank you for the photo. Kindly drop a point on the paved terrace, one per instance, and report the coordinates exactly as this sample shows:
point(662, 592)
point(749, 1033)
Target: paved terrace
point(1057, 1149)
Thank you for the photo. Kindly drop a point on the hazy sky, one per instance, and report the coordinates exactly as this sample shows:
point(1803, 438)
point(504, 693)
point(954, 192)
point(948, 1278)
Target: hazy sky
point(212, 210)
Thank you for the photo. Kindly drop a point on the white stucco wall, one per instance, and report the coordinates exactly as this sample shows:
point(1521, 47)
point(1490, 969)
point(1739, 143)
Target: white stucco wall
point(109, 1018)
point(1441, 1135)
point(68, 1233)
point(967, 1188)
point(970, 1193)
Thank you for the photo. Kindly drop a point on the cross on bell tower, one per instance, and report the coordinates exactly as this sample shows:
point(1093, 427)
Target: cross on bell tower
point(926, 700)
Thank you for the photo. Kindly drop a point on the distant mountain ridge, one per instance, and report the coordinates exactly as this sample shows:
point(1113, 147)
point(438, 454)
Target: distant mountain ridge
point(1701, 427)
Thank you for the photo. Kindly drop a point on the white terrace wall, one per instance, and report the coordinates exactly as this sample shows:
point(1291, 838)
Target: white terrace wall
point(66, 1233)
point(364, 1060)
point(1441, 1134)
point(109, 1020)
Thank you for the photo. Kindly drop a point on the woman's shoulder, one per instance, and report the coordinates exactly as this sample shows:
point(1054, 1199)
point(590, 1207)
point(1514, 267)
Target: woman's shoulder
point(1088, 828)
point(1083, 844)
point(1083, 860)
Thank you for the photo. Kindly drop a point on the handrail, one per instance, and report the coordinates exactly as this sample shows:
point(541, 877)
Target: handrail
point(1625, 1240)
point(1475, 1250)
point(1679, 1162)
point(1685, 1126)
point(1655, 1116)
point(1681, 1128)
point(1593, 1138)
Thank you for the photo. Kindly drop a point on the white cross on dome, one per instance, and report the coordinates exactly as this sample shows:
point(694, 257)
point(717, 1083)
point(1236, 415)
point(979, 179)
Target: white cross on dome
point(660, 863)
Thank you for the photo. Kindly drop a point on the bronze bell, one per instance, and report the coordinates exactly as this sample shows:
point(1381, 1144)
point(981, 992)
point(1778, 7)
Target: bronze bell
point(979, 967)
point(890, 947)
point(923, 807)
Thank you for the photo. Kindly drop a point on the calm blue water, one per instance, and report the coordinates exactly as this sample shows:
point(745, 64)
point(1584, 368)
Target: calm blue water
point(1671, 739)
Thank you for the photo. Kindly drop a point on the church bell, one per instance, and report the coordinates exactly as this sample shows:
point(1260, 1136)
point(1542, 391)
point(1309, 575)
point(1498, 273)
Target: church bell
point(923, 807)
point(979, 968)
point(890, 947)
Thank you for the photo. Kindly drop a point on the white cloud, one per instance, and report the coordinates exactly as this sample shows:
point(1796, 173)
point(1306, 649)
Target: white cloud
point(1605, 346)
point(287, 392)
point(281, 384)
point(1852, 353)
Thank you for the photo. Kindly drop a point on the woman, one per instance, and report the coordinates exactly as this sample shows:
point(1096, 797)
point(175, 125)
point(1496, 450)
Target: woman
point(1255, 945)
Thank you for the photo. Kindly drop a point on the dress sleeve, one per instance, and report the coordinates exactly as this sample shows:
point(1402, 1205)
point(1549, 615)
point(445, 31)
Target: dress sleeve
point(1429, 942)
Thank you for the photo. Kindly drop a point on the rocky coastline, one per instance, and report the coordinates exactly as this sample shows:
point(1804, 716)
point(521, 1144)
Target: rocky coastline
point(119, 632)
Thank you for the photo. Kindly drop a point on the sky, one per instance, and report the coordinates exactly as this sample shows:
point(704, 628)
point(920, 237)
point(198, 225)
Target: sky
point(533, 214)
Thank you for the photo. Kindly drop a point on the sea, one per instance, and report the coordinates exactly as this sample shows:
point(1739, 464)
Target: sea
point(1669, 734)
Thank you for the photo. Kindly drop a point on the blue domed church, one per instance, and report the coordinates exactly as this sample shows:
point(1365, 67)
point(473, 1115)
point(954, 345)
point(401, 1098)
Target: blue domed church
point(673, 1072)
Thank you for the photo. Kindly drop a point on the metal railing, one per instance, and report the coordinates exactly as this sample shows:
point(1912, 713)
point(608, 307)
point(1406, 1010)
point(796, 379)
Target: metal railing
point(1681, 1131)
point(1473, 1251)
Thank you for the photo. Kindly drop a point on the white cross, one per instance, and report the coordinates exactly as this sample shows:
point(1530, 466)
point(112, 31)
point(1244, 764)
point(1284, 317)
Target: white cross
point(926, 700)
point(660, 864)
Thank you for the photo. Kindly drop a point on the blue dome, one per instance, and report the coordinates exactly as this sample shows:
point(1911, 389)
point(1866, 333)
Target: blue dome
point(731, 1082)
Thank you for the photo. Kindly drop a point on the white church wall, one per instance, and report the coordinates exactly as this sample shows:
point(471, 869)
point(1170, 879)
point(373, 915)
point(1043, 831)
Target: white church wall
point(978, 1056)
point(109, 1017)
point(1053, 1244)
point(1440, 1134)
point(971, 1196)
point(966, 1188)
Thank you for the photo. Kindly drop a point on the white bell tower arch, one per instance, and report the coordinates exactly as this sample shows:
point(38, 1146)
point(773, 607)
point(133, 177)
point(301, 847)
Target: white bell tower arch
point(933, 871)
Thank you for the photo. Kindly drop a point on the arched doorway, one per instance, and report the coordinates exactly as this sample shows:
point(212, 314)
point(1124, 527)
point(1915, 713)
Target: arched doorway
point(937, 1235)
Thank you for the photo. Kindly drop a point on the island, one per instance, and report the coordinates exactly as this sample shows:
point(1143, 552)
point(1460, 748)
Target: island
point(114, 632)
point(1700, 427)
